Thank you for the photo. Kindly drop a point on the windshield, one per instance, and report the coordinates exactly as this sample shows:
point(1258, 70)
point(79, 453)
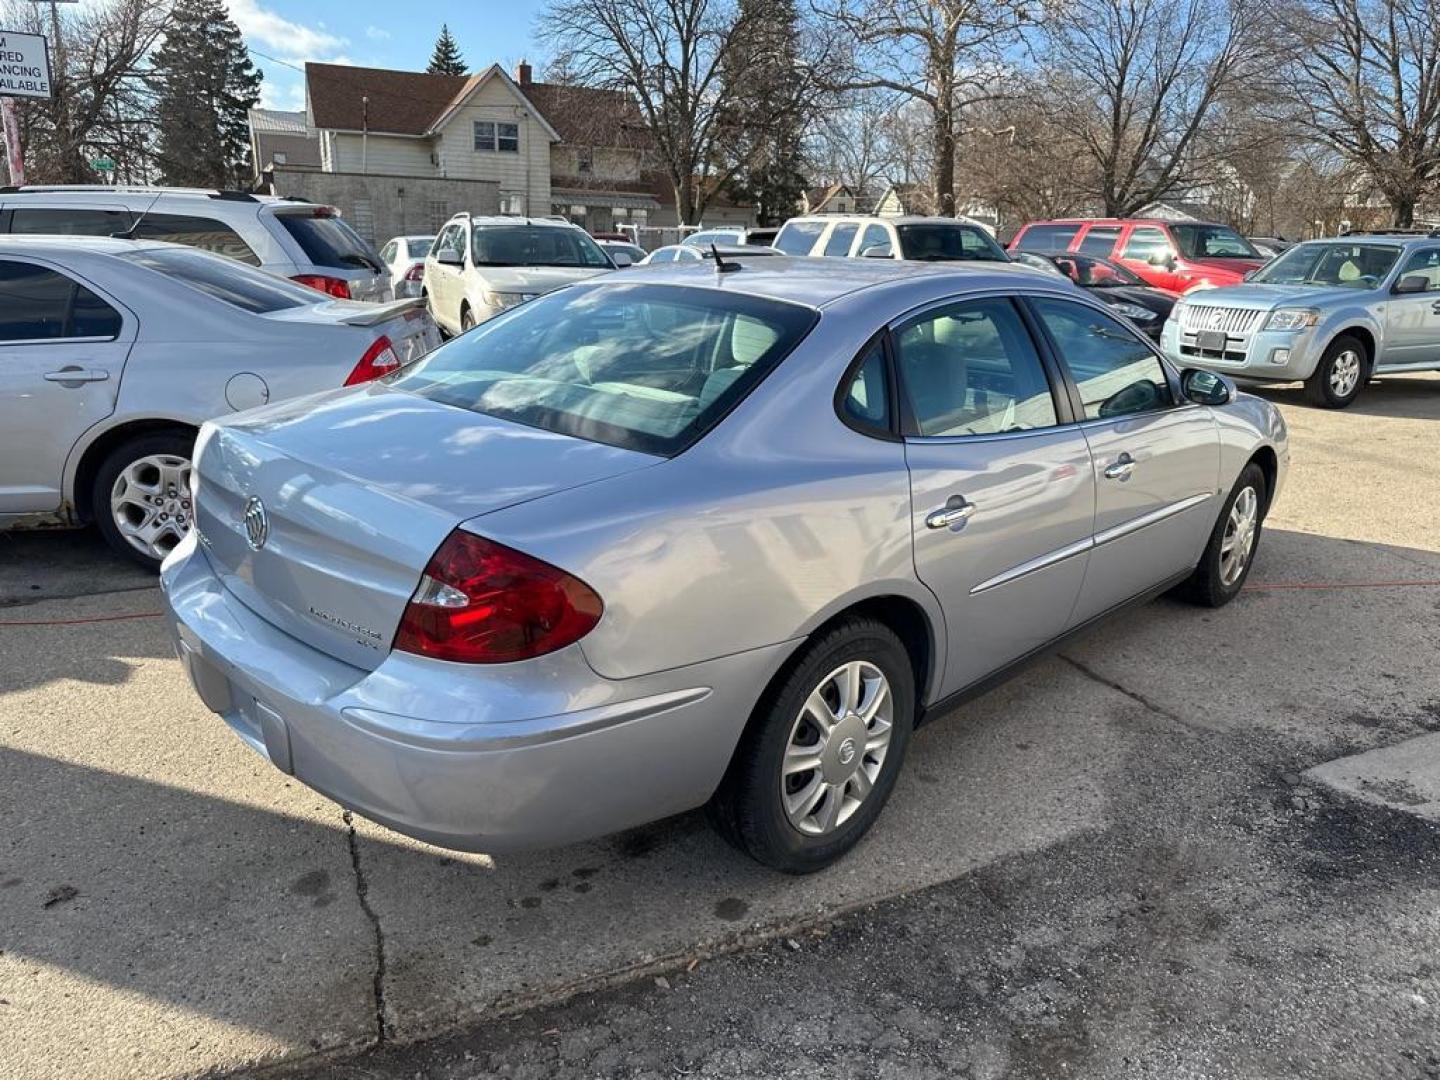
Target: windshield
point(943, 242)
point(1093, 273)
point(1347, 266)
point(328, 241)
point(643, 367)
point(225, 279)
point(535, 245)
point(1212, 242)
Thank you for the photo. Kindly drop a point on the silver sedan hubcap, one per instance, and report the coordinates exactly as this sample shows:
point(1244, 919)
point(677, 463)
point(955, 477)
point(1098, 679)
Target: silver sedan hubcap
point(1239, 539)
point(1345, 373)
point(836, 748)
point(150, 503)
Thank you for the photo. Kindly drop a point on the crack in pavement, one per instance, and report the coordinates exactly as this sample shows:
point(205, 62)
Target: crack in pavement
point(1139, 698)
point(362, 893)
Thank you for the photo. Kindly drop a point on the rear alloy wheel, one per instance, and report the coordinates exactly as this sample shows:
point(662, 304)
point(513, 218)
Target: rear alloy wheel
point(141, 500)
point(1337, 379)
point(822, 752)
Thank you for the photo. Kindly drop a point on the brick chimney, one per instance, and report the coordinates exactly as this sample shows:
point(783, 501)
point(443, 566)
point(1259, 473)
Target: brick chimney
point(523, 73)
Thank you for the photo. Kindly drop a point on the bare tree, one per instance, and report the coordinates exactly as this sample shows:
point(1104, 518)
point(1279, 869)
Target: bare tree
point(1010, 156)
point(945, 54)
point(1136, 81)
point(1365, 78)
point(850, 142)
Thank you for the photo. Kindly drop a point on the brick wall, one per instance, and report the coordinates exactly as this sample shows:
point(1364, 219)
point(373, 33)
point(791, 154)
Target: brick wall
point(379, 207)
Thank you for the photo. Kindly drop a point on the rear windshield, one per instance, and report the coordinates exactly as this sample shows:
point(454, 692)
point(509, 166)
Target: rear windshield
point(798, 237)
point(328, 241)
point(1349, 266)
point(1212, 242)
point(942, 242)
point(225, 279)
point(643, 367)
point(531, 245)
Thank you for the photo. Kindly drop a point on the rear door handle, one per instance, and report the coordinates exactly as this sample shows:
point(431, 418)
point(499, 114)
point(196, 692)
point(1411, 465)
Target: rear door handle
point(1120, 468)
point(955, 510)
point(72, 374)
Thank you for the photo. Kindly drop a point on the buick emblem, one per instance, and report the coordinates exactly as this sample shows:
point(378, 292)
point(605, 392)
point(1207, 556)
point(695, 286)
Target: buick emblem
point(257, 525)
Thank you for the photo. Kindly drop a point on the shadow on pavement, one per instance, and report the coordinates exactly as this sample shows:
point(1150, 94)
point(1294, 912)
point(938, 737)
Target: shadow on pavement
point(52, 564)
point(1402, 397)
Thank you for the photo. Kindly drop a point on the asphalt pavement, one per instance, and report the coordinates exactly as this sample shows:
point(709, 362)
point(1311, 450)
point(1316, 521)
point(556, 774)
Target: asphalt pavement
point(1166, 852)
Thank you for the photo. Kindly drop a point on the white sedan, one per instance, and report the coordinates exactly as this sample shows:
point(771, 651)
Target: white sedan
point(113, 352)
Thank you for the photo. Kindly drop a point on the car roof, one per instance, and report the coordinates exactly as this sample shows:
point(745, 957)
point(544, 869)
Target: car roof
point(515, 219)
point(1120, 221)
point(125, 193)
point(900, 219)
point(43, 244)
point(816, 282)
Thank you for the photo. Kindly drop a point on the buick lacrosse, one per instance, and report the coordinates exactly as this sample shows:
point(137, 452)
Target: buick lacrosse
point(712, 534)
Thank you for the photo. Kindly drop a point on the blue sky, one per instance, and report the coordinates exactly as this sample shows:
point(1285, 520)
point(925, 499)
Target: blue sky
point(378, 33)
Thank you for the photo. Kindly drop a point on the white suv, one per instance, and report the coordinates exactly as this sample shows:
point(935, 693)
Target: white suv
point(303, 241)
point(479, 266)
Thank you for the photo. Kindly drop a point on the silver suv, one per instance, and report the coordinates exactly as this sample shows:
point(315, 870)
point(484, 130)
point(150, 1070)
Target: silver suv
point(1330, 313)
point(303, 241)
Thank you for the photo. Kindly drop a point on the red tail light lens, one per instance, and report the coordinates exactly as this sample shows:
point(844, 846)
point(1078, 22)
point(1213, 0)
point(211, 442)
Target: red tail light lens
point(379, 359)
point(480, 602)
point(417, 273)
point(330, 286)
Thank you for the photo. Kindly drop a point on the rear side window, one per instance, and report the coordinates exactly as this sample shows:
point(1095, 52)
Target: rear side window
point(1100, 240)
point(841, 237)
point(236, 284)
point(206, 234)
point(867, 399)
point(328, 241)
point(1047, 237)
point(798, 237)
point(943, 242)
point(70, 221)
point(1116, 372)
point(37, 304)
point(873, 236)
point(643, 367)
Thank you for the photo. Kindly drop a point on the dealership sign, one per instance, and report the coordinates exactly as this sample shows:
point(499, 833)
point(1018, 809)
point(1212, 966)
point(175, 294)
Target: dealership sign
point(24, 65)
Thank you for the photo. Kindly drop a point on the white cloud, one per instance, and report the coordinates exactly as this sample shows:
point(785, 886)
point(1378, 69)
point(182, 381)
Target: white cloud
point(375, 33)
point(273, 33)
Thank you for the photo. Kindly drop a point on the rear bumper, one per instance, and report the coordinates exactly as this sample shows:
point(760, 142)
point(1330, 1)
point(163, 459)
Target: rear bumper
point(498, 758)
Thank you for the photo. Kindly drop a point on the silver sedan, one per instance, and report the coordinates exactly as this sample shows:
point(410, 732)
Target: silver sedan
point(112, 353)
point(697, 535)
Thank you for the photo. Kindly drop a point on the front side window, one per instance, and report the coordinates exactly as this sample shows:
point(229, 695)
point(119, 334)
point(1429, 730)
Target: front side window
point(798, 237)
point(1116, 372)
point(944, 242)
point(640, 366)
point(1423, 263)
point(841, 237)
point(532, 245)
point(1100, 240)
point(972, 369)
point(1213, 242)
point(233, 283)
point(207, 234)
point(1144, 243)
point(1348, 266)
point(1047, 237)
point(39, 304)
point(71, 221)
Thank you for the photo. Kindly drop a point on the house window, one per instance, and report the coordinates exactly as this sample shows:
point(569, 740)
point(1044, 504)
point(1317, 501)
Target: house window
point(491, 135)
point(279, 157)
point(585, 159)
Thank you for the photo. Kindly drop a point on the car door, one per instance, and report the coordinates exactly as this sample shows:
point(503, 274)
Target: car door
point(1147, 251)
point(1002, 492)
point(444, 280)
point(62, 351)
point(1412, 320)
point(1156, 458)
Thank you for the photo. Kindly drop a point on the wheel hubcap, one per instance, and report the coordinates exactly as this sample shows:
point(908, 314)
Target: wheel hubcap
point(150, 503)
point(836, 748)
point(1345, 373)
point(1239, 539)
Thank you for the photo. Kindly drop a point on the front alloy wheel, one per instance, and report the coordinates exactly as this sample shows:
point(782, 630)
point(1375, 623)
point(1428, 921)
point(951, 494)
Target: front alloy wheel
point(1339, 375)
point(1238, 540)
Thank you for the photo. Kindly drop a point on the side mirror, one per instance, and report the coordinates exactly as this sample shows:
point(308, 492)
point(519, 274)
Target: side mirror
point(1412, 283)
point(1161, 258)
point(621, 259)
point(878, 251)
point(1204, 387)
point(449, 257)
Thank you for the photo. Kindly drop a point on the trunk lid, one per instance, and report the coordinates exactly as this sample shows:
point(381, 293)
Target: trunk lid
point(406, 323)
point(349, 494)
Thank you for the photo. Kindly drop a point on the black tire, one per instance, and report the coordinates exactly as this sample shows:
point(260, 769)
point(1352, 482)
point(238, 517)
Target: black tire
point(1208, 586)
point(1321, 388)
point(175, 444)
point(748, 809)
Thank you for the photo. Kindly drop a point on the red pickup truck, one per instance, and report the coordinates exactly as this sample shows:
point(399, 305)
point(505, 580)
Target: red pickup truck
point(1175, 255)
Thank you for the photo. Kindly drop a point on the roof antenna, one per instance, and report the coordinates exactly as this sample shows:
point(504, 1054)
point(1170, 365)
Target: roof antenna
point(721, 266)
point(129, 233)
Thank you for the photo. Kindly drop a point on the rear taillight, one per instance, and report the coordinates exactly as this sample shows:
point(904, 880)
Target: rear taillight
point(417, 272)
point(379, 359)
point(480, 602)
point(330, 286)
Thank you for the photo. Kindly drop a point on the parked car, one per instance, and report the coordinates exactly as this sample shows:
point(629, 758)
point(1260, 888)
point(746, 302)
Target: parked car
point(404, 258)
point(479, 266)
point(680, 537)
point(112, 352)
point(924, 239)
point(1331, 313)
point(622, 253)
point(303, 241)
point(1124, 292)
point(732, 236)
point(689, 253)
point(1173, 255)
point(1270, 246)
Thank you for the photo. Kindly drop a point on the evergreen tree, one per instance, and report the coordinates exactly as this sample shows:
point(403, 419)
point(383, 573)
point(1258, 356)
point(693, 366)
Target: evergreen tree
point(206, 87)
point(446, 59)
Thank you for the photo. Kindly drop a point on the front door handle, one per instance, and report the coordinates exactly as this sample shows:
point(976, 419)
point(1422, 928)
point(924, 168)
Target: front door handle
point(1120, 468)
point(955, 510)
point(73, 375)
